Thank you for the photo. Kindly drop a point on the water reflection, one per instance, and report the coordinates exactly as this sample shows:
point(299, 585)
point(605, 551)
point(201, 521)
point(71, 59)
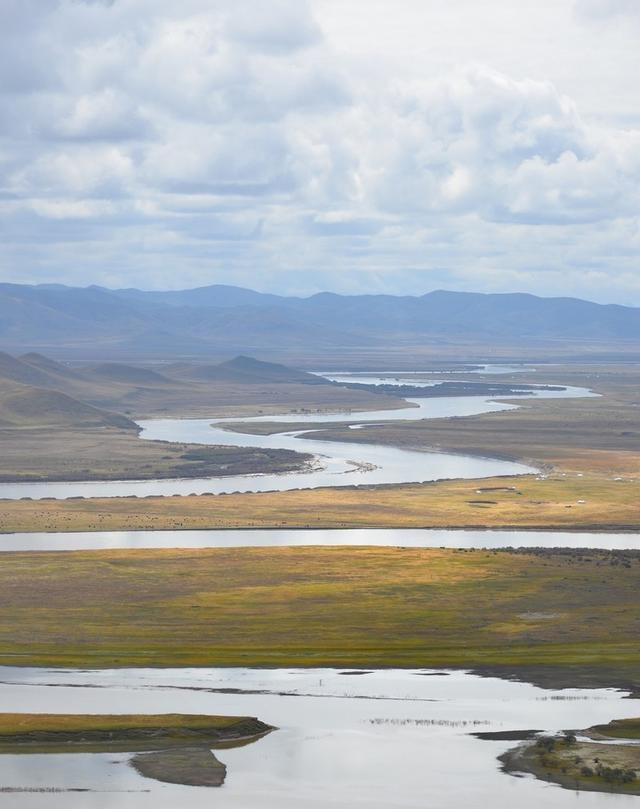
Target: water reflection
point(387, 738)
point(391, 537)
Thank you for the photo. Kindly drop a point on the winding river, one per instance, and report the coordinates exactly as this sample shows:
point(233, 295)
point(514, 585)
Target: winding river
point(336, 463)
point(379, 739)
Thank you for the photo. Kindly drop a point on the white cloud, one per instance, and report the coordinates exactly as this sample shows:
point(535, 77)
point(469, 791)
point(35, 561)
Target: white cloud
point(89, 171)
point(608, 9)
point(479, 142)
point(221, 137)
point(106, 114)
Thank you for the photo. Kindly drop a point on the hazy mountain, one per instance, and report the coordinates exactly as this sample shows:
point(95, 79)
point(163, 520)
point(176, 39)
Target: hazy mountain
point(217, 295)
point(222, 320)
point(15, 370)
point(28, 406)
point(127, 374)
point(248, 371)
point(51, 368)
point(439, 312)
point(88, 395)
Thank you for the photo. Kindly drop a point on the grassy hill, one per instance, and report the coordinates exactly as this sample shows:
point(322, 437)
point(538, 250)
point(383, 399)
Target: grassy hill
point(233, 387)
point(26, 406)
point(76, 423)
point(127, 374)
point(248, 371)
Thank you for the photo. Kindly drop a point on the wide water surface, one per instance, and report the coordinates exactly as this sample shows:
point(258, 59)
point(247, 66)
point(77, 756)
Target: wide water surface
point(376, 740)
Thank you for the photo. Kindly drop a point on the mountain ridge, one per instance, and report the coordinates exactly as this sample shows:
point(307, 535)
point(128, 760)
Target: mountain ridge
point(223, 320)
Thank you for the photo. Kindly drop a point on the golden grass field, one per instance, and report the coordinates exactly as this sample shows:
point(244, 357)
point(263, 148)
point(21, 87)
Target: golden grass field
point(329, 606)
point(12, 724)
point(592, 501)
point(96, 733)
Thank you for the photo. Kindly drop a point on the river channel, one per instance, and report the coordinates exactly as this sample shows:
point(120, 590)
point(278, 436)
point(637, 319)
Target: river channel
point(335, 463)
point(378, 739)
point(253, 538)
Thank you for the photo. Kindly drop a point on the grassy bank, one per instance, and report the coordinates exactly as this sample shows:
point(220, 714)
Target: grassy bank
point(618, 729)
point(579, 765)
point(587, 502)
point(112, 454)
point(126, 732)
point(344, 607)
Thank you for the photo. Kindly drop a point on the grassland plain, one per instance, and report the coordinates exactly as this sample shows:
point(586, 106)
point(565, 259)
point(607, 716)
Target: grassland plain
point(111, 454)
point(563, 502)
point(329, 606)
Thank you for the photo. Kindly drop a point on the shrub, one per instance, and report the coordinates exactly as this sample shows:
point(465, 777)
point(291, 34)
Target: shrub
point(547, 743)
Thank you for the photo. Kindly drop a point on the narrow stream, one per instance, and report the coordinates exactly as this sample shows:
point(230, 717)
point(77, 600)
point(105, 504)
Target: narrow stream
point(389, 537)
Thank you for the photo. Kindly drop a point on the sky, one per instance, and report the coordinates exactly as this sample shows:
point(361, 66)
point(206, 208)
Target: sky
point(393, 146)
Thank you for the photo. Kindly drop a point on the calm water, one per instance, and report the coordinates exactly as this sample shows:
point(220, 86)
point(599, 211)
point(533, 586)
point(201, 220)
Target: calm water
point(393, 537)
point(481, 370)
point(378, 740)
point(337, 463)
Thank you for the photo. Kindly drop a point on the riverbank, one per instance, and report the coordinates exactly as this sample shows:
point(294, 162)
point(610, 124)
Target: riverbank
point(582, 502)
point(591, 766)
point(39, 455)
point(92, 733)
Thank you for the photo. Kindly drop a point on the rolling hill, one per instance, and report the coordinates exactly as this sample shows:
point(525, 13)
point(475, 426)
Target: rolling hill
point(25, 406)
point(126, 374)
point(247, 371)
point(219, 321)
point(198, 389)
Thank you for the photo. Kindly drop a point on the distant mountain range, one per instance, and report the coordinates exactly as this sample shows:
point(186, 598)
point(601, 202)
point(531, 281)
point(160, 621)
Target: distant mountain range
point(220, 321)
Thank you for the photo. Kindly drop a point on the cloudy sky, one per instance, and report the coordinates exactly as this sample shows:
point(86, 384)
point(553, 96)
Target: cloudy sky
point(353, 145)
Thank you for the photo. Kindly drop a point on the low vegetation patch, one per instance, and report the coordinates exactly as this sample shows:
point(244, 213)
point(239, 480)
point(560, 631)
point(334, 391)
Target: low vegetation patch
point(114, 454)
point(618, 729)
point(587, 502)
point(348, 607)
point(580, 765)
point(90, 732)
